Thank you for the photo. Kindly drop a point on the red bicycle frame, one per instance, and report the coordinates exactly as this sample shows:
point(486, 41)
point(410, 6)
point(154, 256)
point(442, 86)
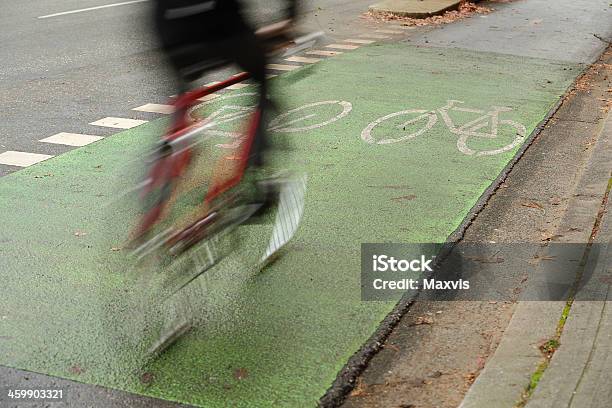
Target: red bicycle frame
point(172, 165)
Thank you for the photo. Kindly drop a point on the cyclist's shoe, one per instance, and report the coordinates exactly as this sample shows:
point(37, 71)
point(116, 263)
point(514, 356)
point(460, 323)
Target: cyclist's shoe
point(266, 192)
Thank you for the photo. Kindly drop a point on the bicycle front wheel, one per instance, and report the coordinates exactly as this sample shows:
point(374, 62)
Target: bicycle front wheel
point(509, 135)
point(399, 126)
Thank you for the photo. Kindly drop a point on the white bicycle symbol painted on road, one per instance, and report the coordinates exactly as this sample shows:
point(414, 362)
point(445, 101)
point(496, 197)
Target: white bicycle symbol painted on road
point(392, 128)
point(472, 129)
point(288, 122)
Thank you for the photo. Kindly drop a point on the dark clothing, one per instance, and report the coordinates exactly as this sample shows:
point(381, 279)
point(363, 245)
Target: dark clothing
point(198, 36)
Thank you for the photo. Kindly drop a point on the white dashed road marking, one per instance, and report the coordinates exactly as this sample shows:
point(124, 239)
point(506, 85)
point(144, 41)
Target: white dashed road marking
point(390, 31)
point(237, 86)
point(118, 123)
point(304, 60)
point(342, 46)
point(71, 139)
point(155, 108)
point(324, 53)
point(22, 159)
point(358, 41)
point(377, 36)
point(208, 97)
point(281, 67)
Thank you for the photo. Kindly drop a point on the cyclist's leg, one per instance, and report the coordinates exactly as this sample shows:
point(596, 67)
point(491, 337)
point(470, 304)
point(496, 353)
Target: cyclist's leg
point(247, 51)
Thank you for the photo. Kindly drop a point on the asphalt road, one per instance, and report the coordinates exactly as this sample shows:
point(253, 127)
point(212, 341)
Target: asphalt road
point(63, 72)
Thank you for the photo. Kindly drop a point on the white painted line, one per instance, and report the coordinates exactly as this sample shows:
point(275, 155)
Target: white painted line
point(208, 97)
point(358, 41)
point(323, 53)
point(118, 123)
point(155, 108)
point(63, 13)
point(238, 86)
point(377, 36)
point(71, 139)
point(281, 67)
point(389, 31)
point(22, 159)
point(305, 60)
point(342, 46)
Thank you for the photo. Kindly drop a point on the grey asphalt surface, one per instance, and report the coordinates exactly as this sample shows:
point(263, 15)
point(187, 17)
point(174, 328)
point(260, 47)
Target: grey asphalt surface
point(562, 30)
point(60, 73)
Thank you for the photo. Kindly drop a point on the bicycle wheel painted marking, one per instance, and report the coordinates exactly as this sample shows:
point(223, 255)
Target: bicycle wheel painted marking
point(342, 46)
point(118, 123)
point(366, 134)
point(324, 53)
point(22, 159)
point(277, 125)
point(71, 139)
point(155, 108)
point(304, 60)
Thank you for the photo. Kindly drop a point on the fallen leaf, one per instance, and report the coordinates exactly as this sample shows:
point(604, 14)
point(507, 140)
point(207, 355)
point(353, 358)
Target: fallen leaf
point(76, 369)
point(392, 347)
point(241, 373)
point(79, 233)
point(147, 377)
point(423, 320)
point(404, 198)
point(533, 204)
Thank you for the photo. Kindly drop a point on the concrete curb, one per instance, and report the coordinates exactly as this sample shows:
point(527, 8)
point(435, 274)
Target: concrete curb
point(415, 8)
point(507, 373)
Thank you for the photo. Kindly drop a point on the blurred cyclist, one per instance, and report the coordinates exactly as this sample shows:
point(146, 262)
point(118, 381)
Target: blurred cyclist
point(198, 36)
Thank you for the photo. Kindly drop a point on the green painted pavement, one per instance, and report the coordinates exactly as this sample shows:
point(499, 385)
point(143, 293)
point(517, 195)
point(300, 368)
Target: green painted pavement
point(68, 309)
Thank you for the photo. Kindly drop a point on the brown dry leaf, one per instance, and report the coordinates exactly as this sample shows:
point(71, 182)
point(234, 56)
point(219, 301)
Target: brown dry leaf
point(359, 390)
point(423, 320)
point(465, 9)
point(115, 249)
point(392, 347)
point(408, 197)
point(76, 369)
point(549, 236)
point(532, 204)
point(147, 377)
point(241, 373)
point(486, 260)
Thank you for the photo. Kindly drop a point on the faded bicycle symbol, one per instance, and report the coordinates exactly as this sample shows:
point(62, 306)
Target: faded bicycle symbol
point(418, 121)
point(307, 117)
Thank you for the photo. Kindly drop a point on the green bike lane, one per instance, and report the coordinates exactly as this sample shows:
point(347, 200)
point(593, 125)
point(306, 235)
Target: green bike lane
point(278, 337)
